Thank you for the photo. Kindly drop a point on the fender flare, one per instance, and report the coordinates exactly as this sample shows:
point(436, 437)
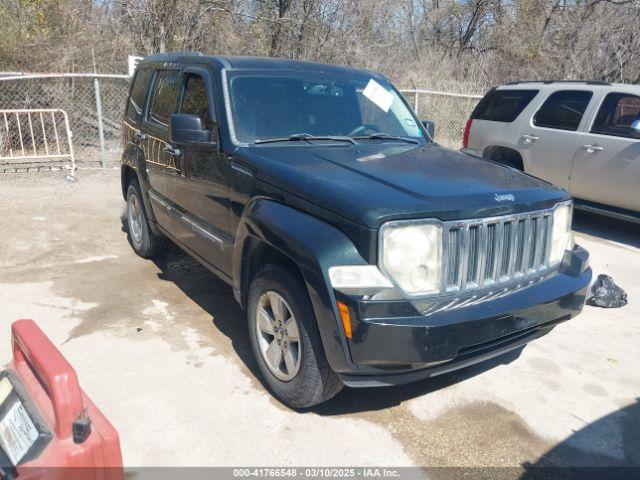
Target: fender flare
point(133, 158)
point(314, 246)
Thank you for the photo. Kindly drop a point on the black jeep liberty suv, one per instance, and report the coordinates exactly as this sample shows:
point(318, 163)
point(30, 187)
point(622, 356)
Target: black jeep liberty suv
point(363, 253)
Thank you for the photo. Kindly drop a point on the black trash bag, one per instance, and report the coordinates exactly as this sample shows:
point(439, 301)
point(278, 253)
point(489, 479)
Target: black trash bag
point(606, 294)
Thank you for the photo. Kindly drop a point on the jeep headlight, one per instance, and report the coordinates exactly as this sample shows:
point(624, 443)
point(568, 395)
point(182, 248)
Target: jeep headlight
point(561, 237)
point(411, 255)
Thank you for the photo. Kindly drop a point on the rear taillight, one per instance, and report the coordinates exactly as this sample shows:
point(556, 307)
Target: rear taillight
point(467, 129)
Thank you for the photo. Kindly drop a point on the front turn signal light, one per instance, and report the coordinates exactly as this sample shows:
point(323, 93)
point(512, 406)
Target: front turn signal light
point(345, 317)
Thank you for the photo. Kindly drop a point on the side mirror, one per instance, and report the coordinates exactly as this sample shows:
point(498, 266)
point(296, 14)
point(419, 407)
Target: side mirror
point(185, 128)
point(430, 127)
point(635, 128)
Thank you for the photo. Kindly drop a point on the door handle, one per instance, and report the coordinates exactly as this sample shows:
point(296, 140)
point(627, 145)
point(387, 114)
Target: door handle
point(139, 137)
point(593, 148)
point(174, 152)
point(530, 138)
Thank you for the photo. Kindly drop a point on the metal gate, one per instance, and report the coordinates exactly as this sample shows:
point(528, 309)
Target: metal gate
point(35, 139)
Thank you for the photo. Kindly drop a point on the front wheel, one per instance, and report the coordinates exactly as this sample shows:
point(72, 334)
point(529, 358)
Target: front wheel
point(286, 342)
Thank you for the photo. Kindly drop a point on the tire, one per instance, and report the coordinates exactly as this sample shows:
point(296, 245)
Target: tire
point(313, 381)
point(144, 242)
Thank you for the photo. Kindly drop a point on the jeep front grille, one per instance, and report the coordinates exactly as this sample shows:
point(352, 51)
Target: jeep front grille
point(485, 252)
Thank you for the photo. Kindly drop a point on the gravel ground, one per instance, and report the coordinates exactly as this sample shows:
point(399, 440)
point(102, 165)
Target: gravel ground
point(161, 348)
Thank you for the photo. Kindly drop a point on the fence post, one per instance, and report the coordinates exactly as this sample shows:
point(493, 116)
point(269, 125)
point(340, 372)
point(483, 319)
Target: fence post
point(103, 158)
point(416, 104)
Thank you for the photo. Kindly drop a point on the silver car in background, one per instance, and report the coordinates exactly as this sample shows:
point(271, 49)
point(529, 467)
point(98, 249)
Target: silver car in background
point(582, 136)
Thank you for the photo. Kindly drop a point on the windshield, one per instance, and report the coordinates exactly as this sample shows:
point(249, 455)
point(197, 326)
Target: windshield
point(277, 105)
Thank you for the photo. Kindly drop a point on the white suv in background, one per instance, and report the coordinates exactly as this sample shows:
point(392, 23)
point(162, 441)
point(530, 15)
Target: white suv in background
point(582, 136)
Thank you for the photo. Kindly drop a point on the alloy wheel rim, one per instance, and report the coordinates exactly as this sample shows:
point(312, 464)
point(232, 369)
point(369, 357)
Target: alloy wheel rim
point(278, 336)
point(135, 220)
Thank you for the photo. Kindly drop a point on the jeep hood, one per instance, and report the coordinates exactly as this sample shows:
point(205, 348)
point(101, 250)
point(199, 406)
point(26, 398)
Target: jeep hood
point(378, 181)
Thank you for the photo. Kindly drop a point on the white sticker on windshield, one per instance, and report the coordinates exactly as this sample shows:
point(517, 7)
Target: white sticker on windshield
point(378, 95)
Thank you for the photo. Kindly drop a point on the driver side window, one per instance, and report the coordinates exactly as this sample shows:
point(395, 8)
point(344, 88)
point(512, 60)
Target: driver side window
point(195, 100)
point(617, 114)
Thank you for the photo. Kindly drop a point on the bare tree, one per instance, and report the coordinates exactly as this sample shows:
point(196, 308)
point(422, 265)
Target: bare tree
point(455, 43)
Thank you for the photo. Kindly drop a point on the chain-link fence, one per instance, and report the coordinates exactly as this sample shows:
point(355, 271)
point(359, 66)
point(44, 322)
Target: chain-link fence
point(94, 104)
point(449, 111)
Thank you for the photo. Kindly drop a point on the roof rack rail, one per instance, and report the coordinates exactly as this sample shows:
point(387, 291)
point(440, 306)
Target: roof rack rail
point(548, 82)
point(181, 52)
point(169, 55)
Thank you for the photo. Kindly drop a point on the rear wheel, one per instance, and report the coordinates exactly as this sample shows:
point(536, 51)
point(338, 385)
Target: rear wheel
point(145, 243)
point(285, 340)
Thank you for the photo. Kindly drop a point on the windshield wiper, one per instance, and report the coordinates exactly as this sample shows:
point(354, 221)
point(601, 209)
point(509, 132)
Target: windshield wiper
point(305, 137)
point(385, 136)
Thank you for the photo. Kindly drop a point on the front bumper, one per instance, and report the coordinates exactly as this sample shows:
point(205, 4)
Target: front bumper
point(394, 343)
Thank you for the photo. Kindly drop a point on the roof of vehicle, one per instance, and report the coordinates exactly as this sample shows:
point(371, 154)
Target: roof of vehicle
point(250, 63)
point(563, 84)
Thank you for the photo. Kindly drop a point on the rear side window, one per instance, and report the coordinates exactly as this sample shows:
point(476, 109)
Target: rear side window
point(563, 110)
point(503, 105)
point(138, 94)
point(616, 115)
point(164, 96)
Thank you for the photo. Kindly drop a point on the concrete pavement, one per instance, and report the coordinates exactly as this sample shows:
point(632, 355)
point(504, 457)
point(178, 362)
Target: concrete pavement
point(161, 348)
